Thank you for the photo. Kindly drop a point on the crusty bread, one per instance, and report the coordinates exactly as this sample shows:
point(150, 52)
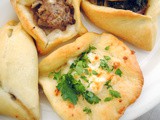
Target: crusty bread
point(18, 74)
point(129, 84)
point(46, 43)
point(140, 30)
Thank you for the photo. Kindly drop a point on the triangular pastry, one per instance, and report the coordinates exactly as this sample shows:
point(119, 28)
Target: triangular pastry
point(18, 73)
point(94, 78)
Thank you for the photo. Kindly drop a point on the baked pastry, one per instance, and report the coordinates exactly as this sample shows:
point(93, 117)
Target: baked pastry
point(50, 22)
point(18, 74)
point(96, 77)
point(133, 20)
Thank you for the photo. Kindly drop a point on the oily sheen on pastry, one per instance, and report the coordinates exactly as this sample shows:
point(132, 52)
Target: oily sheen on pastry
point(18, 74)
point(94, 78)
point(133, 20)
point(50, 22)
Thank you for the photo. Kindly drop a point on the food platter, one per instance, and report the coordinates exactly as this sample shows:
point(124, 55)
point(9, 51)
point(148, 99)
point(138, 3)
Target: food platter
point(149, 63)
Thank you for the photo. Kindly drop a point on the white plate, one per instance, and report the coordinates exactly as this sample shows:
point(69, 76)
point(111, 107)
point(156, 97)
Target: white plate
point(149, 62)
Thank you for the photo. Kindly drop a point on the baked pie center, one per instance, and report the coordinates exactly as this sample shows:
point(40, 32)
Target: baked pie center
point(138, 6)
point(53, 14)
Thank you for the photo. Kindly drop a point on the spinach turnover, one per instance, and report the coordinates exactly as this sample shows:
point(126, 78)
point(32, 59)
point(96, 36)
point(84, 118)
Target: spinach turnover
point(95, 77)
point(132, 20)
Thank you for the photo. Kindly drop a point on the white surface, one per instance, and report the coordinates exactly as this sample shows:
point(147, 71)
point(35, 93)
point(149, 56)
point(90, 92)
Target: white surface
point(149, 62)
point(151, 115)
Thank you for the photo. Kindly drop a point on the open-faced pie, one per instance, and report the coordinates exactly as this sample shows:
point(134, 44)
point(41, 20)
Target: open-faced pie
point(96, 77)
point(18, 73)
point(50, 22)
point(133, 20)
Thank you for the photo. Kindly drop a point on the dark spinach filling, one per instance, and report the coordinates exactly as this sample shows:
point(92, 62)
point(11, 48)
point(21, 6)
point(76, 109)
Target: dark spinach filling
point(138, 6)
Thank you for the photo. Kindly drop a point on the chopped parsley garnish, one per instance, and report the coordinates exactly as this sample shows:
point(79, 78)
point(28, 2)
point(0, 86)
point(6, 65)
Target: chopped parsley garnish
point(85, 78)
point(57, 75)
point(107, 48)
point(118, 72)
point(91, 97)
point(79, 67)
point(94, 72)
point(107, 57)
point(71, 89)
point(87, 110)
point(115, 93)
point(108, 99)
point(108, 84)
point(104, 65)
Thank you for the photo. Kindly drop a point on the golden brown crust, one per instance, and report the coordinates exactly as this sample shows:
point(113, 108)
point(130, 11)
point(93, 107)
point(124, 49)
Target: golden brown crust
point(140, 30)
point(19, 73)
point(129, 85)
point(46, 43)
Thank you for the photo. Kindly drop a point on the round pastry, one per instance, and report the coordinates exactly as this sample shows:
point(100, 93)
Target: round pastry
point(96, 77)
point(133, 20)
point(50, 22)
point(18, 74)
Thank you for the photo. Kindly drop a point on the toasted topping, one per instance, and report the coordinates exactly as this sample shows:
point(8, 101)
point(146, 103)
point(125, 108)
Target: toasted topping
point(116, 65)
point(82, 76)
point(125, 58)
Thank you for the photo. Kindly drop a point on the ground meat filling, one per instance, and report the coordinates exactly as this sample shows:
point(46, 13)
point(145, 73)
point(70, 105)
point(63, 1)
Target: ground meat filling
point(55, 14)
point(138, 6)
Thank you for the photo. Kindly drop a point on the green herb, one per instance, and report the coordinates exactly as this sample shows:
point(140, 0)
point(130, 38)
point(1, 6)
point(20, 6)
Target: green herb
point(67, 92)
point(94, 72)
point(107, 99)
point(85, 78)
point(91, 97)
point(108, 84)
point(86, 71)
point(87, 110)
point(118, 72)
point(79, 67)
point(107, 48)
point(115, 93)
point(57, 75)
point(107, 57)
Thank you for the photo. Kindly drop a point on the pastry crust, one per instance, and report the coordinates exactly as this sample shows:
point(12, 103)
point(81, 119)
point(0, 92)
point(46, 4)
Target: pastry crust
point(129, 85)
point(18, 74)
point(140, 30)
point(46, 43)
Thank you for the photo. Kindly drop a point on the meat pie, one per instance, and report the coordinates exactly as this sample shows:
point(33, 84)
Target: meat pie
point(50, 22)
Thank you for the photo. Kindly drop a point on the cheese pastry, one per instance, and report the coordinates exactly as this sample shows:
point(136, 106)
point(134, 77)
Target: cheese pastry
point(94, 78)
point(18, 74)
point(133, 20)
point(50, 22)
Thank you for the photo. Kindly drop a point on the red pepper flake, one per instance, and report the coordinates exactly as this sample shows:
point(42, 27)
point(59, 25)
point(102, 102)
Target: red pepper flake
point(121, 111)
point(116, 65)
point(71, 105)
point(125, 58)
point(120, 100)
point(56, 92)
point(96, 58)
point(99, 74)
point(78, 48)
point(132, 52)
